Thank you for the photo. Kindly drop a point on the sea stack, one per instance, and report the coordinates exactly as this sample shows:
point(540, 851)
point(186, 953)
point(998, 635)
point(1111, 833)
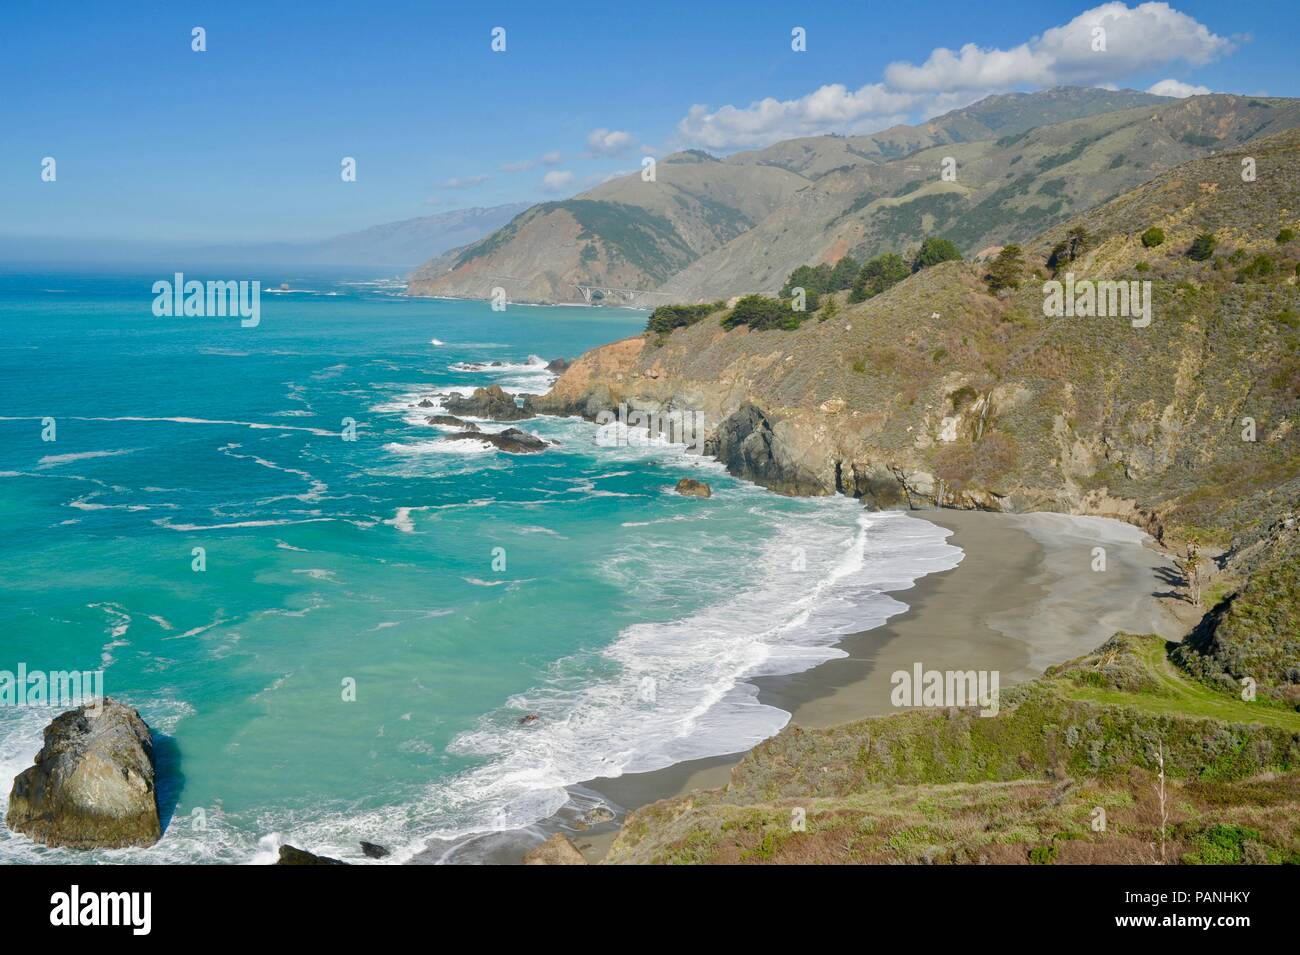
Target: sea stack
point(92, 786)
point(689, 487)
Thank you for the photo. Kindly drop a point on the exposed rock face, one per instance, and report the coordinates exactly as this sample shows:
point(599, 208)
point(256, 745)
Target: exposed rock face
point(937, 393)
point(291, 855)
point(93, 783)
point(490, 402)
point(557, 850)
point(372, 851)
point(452, 421)
point(511, 440)
point(689, 487)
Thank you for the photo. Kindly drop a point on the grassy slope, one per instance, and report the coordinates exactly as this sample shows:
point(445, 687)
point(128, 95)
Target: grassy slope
point(1023, 786)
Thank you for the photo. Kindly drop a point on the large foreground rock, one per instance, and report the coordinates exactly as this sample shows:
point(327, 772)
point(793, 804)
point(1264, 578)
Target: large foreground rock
point(93, 783)
point(490, 402)
point(557, 850)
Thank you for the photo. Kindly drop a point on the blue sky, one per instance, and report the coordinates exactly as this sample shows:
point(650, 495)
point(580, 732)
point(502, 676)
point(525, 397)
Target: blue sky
point(244, 141)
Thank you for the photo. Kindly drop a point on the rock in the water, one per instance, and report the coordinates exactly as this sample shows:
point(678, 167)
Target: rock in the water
point(689, 487)
point(597, 815)
point(511, 439)
point(557, 365)
point(557, 850)
point(292, 855)
point(452, 421)
point(530, 718)
point(373, 851)
point(425, 403)
point(93, 783)
point(490, 402)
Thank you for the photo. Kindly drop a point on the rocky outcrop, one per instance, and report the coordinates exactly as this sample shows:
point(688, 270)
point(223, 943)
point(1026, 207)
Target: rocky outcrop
point(372, 850)
point(511, 440)
point(557, 366)
point(93, 785)
point(451, 421)
point(292, 855)
point(490, 402)
point(557, 850)
point(689, 487)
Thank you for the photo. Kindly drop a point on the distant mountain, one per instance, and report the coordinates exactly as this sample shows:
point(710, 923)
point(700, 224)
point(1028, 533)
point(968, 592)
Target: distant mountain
point(395, 245)
point(626, 233)
point(1023, 163)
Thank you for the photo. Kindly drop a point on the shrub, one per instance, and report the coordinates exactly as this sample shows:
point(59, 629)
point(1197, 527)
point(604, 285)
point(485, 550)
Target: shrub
point(843, 275)
point(1261, 267)
point(667, 317)
point(1153, 237)
point(1285, 236)
point(1005, 271)
point(1074, 244)
point(1143, 267)
point(933, 251)
point(761, 313)
point(1202, 247)
point(813, 279)
point(882, 272)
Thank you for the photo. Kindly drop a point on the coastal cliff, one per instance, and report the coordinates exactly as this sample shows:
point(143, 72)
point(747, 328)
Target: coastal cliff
point(940, 393)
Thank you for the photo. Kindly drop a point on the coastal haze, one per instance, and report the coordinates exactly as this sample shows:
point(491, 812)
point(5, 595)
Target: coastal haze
point(826, 452)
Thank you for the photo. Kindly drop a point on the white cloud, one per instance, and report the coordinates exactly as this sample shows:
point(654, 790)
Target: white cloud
point(557, 180)
point(609, 142)
point(463, 182)
point(553, 158)
point(522, 166)
point(1137, 39)
point(1177, 88)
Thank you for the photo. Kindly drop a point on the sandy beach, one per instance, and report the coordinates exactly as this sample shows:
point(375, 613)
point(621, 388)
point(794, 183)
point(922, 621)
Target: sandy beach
point(1024, 597)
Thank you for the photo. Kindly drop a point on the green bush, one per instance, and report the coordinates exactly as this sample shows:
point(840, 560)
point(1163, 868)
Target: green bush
point(1260, 268)
point(933, 251)
point(1004, 272)
point(1202, 247)
point(882, 272)
point(1153, 237)
point(1074, 244)
point(667, 317)
point(1285, 236)
point(761, 313)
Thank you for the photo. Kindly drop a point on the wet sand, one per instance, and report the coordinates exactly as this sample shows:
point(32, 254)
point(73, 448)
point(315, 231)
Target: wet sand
point(1024, 597)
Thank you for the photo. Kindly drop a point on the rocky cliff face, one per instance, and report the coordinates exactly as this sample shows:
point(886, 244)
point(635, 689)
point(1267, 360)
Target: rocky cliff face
point(940, 393)
point(93, 783)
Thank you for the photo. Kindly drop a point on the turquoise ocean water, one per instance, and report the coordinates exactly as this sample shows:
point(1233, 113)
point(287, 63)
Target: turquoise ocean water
point(625, 616)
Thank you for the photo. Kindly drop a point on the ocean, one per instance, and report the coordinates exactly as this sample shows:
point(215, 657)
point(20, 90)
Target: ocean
point(339, 640)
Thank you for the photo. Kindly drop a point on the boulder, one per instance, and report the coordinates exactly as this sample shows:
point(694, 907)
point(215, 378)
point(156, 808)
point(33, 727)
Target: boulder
point(490, 402)
point(557, 850)
point(511, 440)
point(372, 851)
point(292, 855)
point(93, 783)
point(452, 421)
point(557, 365)
point(689, 487)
